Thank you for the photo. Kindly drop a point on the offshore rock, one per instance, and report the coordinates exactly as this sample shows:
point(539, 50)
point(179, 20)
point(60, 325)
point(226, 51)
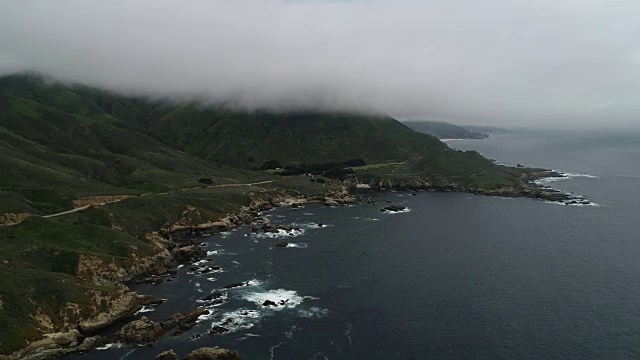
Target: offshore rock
point(212, 354)
point(142, 331)
point(167, 355)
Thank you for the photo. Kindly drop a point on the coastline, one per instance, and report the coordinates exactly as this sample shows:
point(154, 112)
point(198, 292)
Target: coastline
point(169, 252)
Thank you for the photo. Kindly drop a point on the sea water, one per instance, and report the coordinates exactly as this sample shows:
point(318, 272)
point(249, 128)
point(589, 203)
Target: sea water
point(456, 277)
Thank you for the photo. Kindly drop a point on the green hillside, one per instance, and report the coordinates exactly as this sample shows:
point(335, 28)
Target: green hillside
point(290, 138)
point(239, 138)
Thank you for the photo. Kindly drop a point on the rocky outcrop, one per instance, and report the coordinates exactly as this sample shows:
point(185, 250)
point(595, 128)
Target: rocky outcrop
point(167, 355)
point(282, 244)
point(145, 331)
point(183, 321)
point(55, 345)
point(100, 271)
point(10, 219)
point(141, 331)
point(331, 202)
point(212, 354)
point(188, 253)
point(107, 309)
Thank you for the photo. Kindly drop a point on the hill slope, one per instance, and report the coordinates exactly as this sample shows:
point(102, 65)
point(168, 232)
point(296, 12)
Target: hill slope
point(238, 137)
point(444, 130)
point(220, 134)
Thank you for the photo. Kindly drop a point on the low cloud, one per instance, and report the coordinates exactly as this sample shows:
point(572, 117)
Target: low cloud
point(530, 62)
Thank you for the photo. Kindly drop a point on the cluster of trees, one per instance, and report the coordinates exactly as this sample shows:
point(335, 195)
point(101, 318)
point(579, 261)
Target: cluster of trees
point(337, 170)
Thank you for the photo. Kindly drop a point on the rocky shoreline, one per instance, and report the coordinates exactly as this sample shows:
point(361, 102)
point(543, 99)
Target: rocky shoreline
point(528, 186)
point(80, 337)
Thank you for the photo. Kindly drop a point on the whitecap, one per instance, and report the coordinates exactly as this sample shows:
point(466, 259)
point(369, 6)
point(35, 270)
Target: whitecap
point(215, 252)
point(148, 308)
point(284, 298)
point(200, 263)
point(253, 282)
point(280, 234)
point(110, 346)
point(240, 319)
point(575, 175)
point(297, 245)
point(405, 210)
point(205, 317)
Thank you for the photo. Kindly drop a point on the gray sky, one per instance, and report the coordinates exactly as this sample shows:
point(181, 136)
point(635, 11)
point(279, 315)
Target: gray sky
point(516, 62)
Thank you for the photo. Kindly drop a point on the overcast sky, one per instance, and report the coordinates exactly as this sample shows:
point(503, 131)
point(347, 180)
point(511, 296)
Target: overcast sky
point(516, 62)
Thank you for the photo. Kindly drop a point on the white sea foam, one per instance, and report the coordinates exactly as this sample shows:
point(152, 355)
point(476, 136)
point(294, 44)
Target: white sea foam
point(253, 282)
point(148, 308)
point(223, 296)
point(313, 312)
point(110, 346)
point(180, 266)
point(215, 252)
point(297, 245)
point(565, 203)
point(280, 234)
point(205, 317)
point(405, 210)
point(563, 176)
point(584, 204)
point(575, 175)
point(212, 279)
point(200, 263)
point(284, 298)
point(240, 319)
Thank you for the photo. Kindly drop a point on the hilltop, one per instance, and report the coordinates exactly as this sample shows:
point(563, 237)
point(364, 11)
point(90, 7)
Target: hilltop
point(444, 130)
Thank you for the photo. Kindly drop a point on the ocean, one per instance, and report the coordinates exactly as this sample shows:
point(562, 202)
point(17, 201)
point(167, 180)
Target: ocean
point(457, 276)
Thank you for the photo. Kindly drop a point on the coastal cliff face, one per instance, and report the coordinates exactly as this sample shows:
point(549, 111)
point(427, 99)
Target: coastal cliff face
point(10, 219)
point(104, 300)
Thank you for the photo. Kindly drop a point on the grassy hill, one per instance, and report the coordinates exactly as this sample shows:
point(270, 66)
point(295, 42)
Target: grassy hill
point(290, 138)
point(239, 138)
point(444, 130)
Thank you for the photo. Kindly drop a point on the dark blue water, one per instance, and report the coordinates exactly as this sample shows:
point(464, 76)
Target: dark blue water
point(457, 277)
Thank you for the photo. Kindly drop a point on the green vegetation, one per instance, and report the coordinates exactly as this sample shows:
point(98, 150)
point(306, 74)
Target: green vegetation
point(178, 163)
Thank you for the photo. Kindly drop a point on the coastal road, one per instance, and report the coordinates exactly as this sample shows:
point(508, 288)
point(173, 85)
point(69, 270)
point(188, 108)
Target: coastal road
point(110, 202)
point(69, 211)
